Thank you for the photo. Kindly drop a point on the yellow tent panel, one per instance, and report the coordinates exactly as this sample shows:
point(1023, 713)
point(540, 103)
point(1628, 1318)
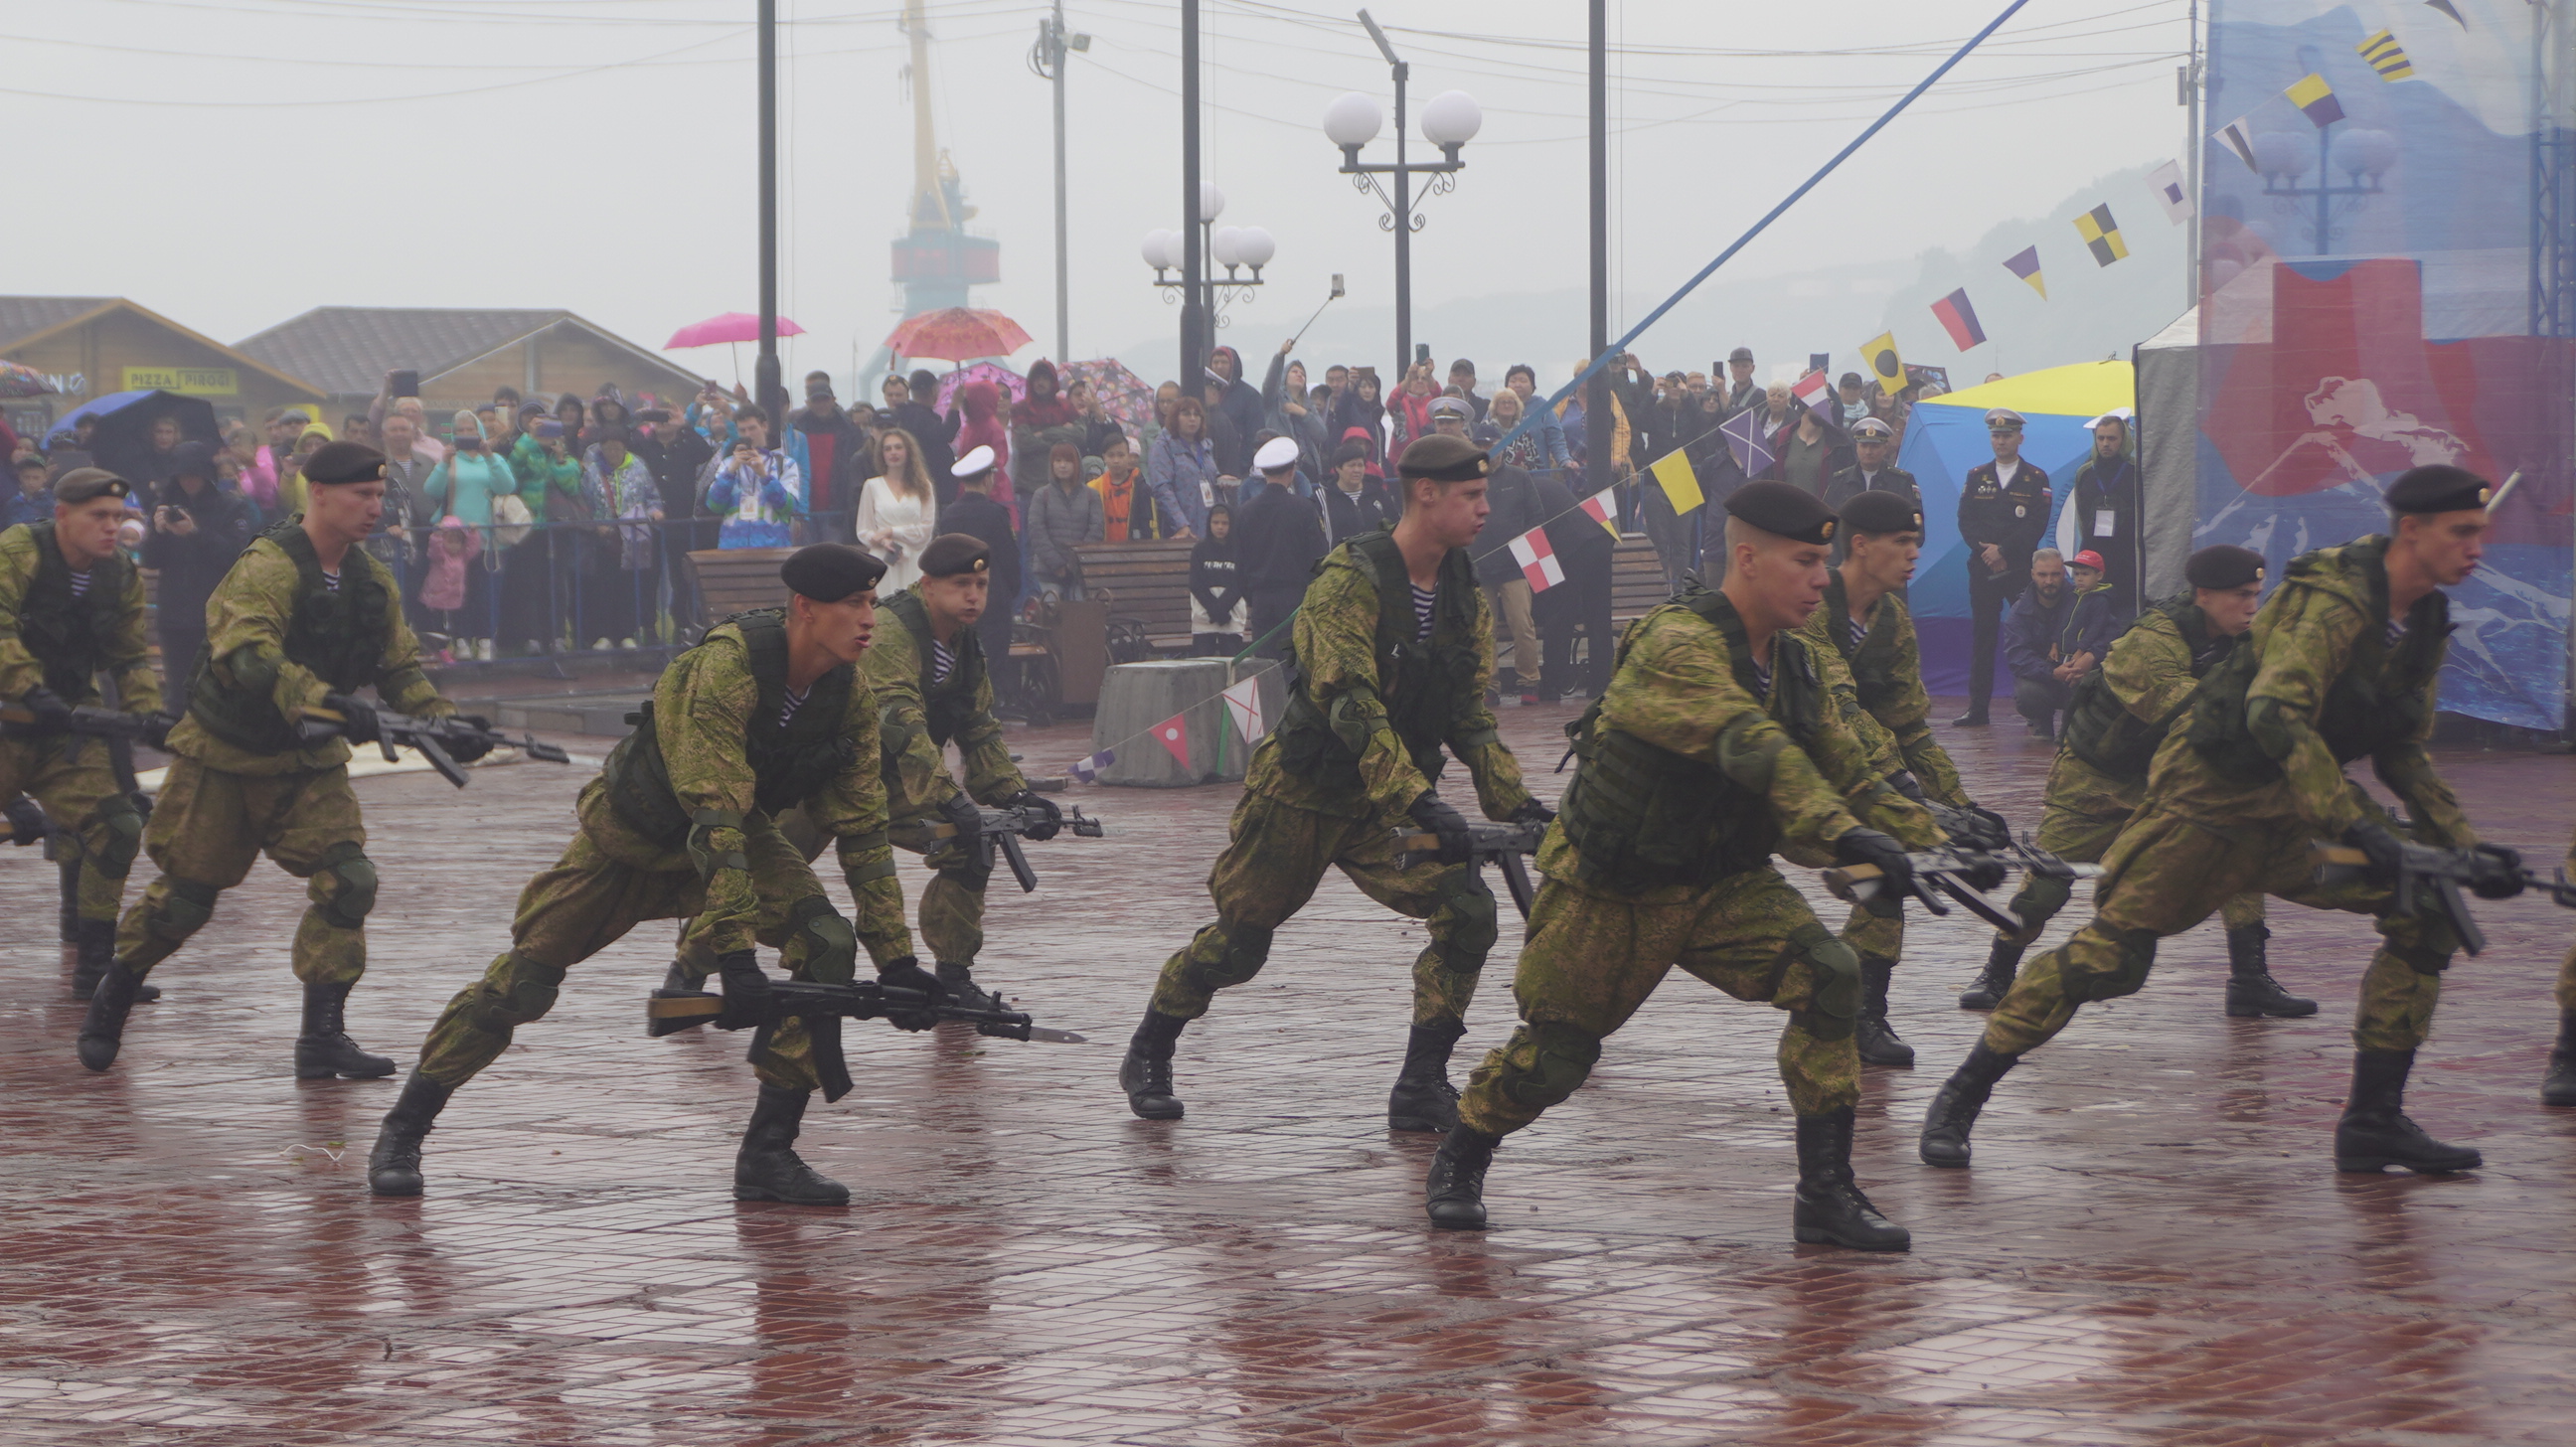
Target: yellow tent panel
point(2086, 389)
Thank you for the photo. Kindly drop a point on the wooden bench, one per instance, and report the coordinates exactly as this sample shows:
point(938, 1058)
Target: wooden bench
point(1147, 588)
point(731, 580)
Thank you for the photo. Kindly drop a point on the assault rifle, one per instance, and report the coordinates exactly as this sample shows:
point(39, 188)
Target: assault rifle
point(823, 1007)
point(1503, 844)
point(2443, 871)
point(1942, 869)
point(87, 721)
point(429, 737)
point(1000, 829)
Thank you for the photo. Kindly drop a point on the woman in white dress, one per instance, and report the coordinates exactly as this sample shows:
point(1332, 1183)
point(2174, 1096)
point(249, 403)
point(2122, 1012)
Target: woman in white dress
point(898, 514)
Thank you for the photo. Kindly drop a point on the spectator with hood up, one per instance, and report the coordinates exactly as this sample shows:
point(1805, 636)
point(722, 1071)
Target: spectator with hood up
point(979, 403)
point(1039, 422)
point(198, 530)
point(1240, 404)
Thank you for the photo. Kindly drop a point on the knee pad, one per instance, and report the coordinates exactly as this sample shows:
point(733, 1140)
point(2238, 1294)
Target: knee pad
point(1474, 923)
point(1837, 994)
point(525, 992)
point(186, 910)
point(1561, 1057)
point(348, 906)
point(2041, 897)
point(2127, 977)
point(122, 826)
point(1247, 949)
point(830, 943)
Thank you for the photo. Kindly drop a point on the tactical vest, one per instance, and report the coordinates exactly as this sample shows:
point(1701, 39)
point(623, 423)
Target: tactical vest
point(789, 764)
point(2376, 703)
point(68, 634)
point(1421, 684)
point(1641, 815)
point(1873, 659)
point(2102, 732)
point(949, 704)
point(338, 636)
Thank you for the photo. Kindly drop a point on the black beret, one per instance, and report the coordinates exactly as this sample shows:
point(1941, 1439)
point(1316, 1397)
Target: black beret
point(2437, 489)
point(1443, 458)
point(82, 484)
point(1792, 512)
point(2223, 566)
point(830, 572)
point(1879, 512)
point(345, 462)
point(952, 555)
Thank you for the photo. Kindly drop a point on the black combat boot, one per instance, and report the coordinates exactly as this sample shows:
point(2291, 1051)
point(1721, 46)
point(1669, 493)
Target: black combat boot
point(1871, 1032)
point(1146, 1073)
point(1831, 1210)
point(1423, 1098)
point(103, 1030)
point(1453, 1195)
point(325, 1049)
point(2003, 962)
point(962, 989)
point(1954, 1109)
point(96, 946)
point(2560, 1086)
point(767, 1167)
point(393, 1167)
point(2375, 1134)
point(2251, 990)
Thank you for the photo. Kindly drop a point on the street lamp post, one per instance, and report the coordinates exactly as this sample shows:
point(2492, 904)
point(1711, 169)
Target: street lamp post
point(1046, 58)
point(1450, 121)
point(2364, 156)
point(1232, 247)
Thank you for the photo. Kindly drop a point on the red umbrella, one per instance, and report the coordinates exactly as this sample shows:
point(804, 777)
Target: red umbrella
point(957, 334)
point(731, 327)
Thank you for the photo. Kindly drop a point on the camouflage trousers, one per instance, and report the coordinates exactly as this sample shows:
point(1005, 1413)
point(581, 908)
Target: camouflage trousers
point(2082, 817)
point(1593, 959)
point(1277, 856)
point(952, 906)
point(2167, 873)
point(587, 902)
point(208, 828)
point(95, 825)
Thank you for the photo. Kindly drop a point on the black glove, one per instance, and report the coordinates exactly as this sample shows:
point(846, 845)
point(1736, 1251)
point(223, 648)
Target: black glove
point(1998, 833)
point(746, 990)
point(48, 707)
point(2499, 872)
point(1457, 846)
point(2387, 852)
point(906, 973)
point(466, 751)
point(1904, 782)
point(26, 820)
point(1983, 874)
point(1868, 846)
point(358, 720)
point(1533, 812)
point(156, 728)
point(961, 811)
point(1033, 801)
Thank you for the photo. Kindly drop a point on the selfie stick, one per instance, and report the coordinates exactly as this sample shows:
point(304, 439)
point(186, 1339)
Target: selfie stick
point(1319, 311)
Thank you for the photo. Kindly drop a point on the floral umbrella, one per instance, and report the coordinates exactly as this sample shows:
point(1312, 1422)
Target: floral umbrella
point(956, 334)
point(17, 381)
point(1014, 386)
point(1123, 394)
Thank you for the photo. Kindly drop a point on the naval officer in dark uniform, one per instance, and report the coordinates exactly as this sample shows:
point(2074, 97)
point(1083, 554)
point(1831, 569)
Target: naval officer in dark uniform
point(2003, 512)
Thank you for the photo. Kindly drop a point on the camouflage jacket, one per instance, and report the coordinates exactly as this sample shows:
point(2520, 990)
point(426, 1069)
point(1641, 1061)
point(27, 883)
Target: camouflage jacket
point(252, 608)
point(1336, 642)
point(127, 651)
point(916, 766)
point(1885, 671)
point(702, 707)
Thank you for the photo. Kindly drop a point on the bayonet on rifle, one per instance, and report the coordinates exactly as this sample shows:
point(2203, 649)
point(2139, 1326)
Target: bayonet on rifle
point(2443, 871)
point(427, 737)
point(1940, 869)
point(1000, 829)
point(1506, 845)
point(823, 1007)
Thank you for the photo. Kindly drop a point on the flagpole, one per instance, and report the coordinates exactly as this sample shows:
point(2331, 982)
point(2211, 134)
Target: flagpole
point(2191, 160)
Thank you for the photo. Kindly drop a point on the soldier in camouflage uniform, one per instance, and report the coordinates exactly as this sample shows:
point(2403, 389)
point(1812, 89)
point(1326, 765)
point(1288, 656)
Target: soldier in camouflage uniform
point(2121, 712)
point(767, 713)
point(1865, 635)
point(1718, 743)
point(70, 607)
point(1394, 645)
point(2341, 664)
point(304, 620)
point(929, 675)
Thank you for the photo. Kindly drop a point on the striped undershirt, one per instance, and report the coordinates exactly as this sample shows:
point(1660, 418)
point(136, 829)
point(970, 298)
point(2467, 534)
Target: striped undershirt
point(942, 659)
point(1423, 601)
point(1859, 631)
point(80, 583)
point(331, 582)
point(2396, 631)
point(795, 700)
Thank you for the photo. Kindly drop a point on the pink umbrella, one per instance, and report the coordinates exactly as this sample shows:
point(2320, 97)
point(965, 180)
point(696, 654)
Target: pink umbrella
point(731, 327)
point(1014, 386)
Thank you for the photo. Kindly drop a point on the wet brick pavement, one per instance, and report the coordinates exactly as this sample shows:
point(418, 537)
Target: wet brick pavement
point(2152, 1249)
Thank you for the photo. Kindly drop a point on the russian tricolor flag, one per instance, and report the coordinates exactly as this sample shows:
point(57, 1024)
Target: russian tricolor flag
point(1961, 318)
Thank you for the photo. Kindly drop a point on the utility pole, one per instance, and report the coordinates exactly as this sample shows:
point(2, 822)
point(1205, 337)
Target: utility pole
point(2191, 160)
point(766, 383)
point(1596, 393)
point(1193, 254)
point(1047, 59)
